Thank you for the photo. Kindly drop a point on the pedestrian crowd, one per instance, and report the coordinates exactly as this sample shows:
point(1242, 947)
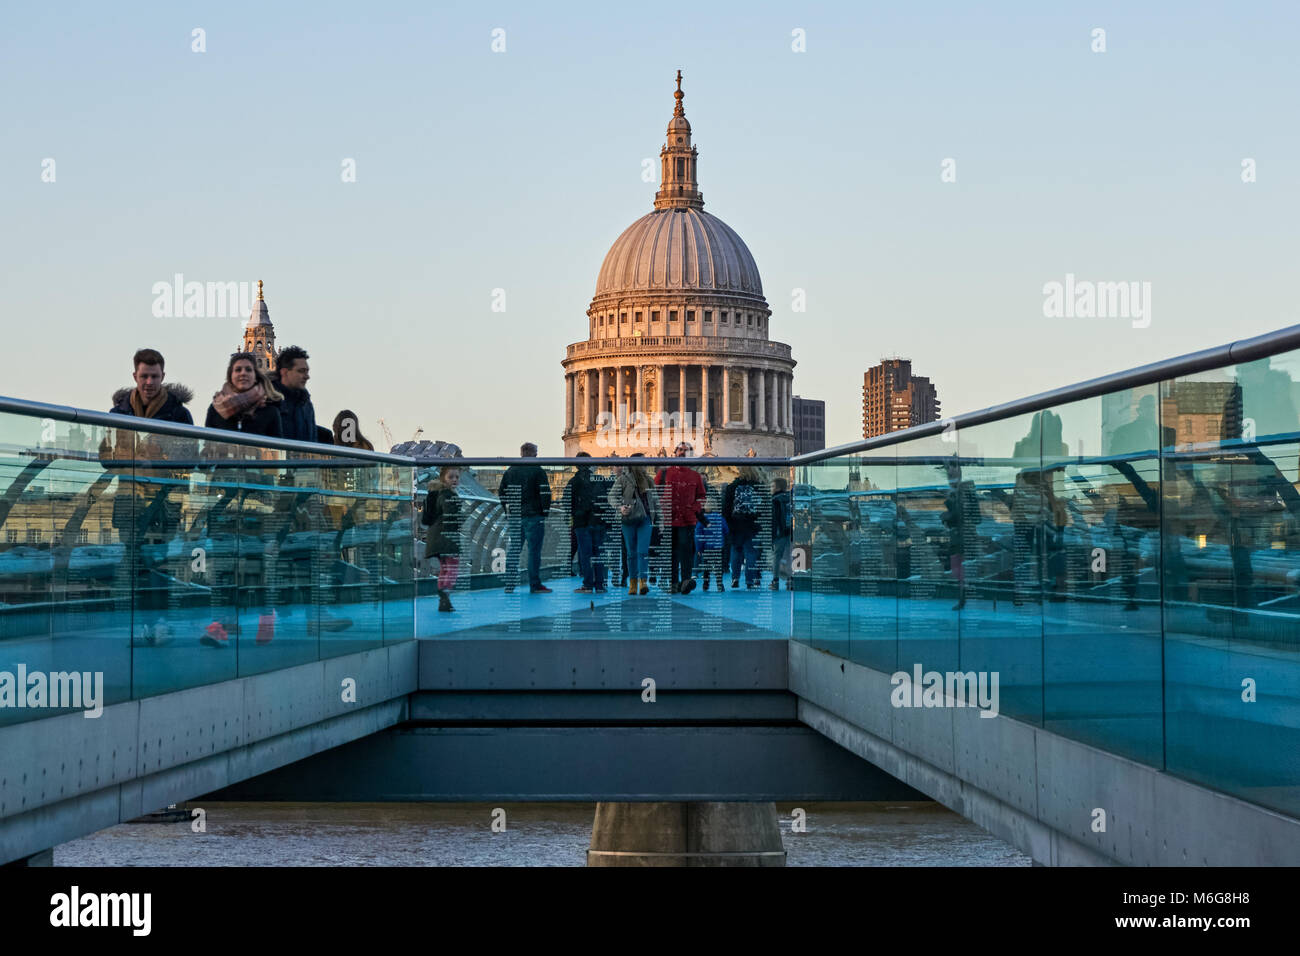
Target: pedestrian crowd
point(665, 528)
point(273, 404)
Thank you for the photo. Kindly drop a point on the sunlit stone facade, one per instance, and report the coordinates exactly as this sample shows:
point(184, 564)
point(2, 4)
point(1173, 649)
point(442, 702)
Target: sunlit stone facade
point(677, 339)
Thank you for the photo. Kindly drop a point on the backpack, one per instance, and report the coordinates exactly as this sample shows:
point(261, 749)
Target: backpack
point(745, 504)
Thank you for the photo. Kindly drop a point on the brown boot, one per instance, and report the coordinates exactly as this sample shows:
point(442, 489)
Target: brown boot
point(632, 586)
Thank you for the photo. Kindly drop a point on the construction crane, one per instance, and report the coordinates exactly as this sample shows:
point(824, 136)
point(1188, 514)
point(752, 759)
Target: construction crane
point(388, 436)
point(418, 433)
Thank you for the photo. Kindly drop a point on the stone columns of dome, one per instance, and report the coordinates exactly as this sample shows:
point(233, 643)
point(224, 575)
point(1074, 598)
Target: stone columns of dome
point(744, 402)
point(704, 394)
point(584, 399)
point(787, 410)
point(726, 396)
point(570, 382)
point(681, 392)
point(780, 402)
point(639, 397)
point(762, 399)
point(619, 410)
point(602, 393)
point(660, 382)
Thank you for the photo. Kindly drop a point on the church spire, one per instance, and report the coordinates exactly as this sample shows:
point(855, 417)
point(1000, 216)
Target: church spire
point(678, 187)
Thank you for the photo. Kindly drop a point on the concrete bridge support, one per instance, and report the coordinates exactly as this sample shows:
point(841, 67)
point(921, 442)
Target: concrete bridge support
point(686, 834)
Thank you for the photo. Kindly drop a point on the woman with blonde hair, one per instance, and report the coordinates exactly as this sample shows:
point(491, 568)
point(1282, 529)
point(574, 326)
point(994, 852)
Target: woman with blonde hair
point(634, 501)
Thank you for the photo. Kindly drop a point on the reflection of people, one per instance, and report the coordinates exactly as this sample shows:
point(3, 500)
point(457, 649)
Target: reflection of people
point(442, 517)
point(633, 499)
point(961, 514)
point(782, 528)
point(526, 496)
point(710, 542)
point(1038, 516)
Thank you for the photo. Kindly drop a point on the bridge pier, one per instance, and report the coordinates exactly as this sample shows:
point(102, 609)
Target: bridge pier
point(685, 834)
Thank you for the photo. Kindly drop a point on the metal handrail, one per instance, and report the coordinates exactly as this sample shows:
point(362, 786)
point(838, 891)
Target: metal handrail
point(1243, 350)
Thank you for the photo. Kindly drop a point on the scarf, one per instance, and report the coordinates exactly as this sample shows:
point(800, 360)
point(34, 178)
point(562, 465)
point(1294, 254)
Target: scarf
point(231, 404)
point(138, 407)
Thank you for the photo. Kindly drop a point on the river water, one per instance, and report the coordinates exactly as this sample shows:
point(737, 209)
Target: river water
point(535, 834)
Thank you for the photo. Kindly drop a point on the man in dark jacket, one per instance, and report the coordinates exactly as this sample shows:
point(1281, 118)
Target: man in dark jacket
point(143, 512)
point(150, 398)
point(297, 414)
point(589, 506)
point(525, 494)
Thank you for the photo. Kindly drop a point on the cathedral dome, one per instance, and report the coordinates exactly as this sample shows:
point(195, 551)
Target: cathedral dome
point(675, 249)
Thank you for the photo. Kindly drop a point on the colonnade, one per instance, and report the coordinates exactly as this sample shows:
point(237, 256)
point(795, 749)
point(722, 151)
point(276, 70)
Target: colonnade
point(761, 398)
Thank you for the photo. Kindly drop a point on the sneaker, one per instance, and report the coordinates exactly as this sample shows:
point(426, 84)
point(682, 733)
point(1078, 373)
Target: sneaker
point(687, 586)
point(540, 589)
point(735, 582)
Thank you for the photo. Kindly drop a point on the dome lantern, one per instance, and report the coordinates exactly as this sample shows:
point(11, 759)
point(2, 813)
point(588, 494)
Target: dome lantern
point(678, 187)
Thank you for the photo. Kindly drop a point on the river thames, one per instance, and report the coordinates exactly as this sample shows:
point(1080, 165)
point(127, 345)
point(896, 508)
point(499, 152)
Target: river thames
point(535, 834)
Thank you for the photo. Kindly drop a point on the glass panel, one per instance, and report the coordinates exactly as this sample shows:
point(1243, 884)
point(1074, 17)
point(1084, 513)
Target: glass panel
point(1232, 567)
point(485, 529)
point(51, 487)
point(1004, 519)
point(1102, 644)
point(927, 618)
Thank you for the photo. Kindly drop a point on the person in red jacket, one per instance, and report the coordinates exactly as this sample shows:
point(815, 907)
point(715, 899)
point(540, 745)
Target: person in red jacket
point(686, 501)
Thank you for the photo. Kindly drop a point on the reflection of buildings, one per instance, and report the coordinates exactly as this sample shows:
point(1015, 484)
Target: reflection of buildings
point(679, 327)
point(1202, 411)
point(893, 398)
point(809, 425)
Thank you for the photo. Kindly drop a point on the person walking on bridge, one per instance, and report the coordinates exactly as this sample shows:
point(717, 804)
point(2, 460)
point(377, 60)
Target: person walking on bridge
point(525, 495)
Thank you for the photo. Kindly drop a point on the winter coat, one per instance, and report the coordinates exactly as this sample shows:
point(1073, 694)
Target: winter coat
point(687, 497)
point(173, 409)
point(782, 515)
point(738, 523)
point(442, 517)
point(525, 492)
point(623, 492)
point(263, 421)
point(589, 507)
point(297, 414)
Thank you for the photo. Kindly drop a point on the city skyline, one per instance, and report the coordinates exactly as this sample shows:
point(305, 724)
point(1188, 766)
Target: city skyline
point(478, 171)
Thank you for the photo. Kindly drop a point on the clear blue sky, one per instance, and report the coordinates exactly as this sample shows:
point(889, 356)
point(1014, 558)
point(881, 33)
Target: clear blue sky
point(479, 170)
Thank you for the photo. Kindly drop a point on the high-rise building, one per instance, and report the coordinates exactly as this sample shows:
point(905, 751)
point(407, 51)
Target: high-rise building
point(259, 334)
point(893, 398)
point(809, 425)
point(678, 343)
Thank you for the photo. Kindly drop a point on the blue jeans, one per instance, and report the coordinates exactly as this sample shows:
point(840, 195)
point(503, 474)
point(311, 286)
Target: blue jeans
point(530, 529)
point(636, 536)
point(590, 561)
point(744, 550)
